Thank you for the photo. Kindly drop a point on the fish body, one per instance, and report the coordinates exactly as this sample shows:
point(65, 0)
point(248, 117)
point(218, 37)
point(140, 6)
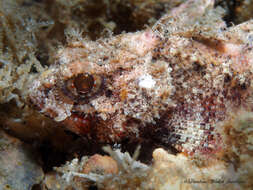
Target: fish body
point(177, 81)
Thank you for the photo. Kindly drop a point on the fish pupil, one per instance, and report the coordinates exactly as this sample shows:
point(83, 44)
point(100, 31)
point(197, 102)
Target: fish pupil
point(83, 83)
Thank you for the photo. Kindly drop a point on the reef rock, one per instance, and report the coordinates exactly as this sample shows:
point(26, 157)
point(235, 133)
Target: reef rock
point(19, 167)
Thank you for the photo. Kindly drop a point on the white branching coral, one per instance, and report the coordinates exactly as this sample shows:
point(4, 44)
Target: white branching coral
point(130, 173)
point(18, 47)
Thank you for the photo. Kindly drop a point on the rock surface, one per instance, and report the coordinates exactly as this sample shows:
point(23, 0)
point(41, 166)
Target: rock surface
point(19, 168)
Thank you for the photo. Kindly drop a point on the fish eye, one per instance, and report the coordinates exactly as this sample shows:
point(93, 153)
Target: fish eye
point(82, 86)
point(83, 83)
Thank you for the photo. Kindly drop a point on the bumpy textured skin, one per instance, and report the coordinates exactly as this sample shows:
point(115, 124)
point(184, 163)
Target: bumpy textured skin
point(177, 80)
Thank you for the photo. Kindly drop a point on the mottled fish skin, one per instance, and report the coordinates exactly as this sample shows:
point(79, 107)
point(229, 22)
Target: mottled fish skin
point(178, 80)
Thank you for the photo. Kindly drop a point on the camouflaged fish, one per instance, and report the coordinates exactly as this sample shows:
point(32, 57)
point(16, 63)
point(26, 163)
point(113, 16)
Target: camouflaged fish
point(176, 82)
